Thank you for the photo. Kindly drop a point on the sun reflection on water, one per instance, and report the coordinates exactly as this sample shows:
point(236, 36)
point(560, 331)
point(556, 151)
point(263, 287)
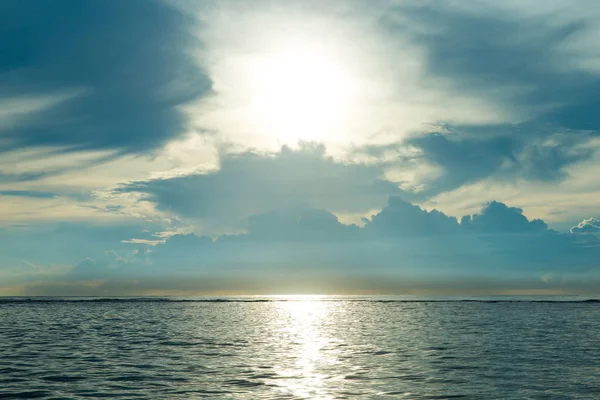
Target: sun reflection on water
point(304, 329)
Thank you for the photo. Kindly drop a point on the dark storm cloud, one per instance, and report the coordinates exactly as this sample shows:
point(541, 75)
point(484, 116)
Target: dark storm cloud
point(119, 67)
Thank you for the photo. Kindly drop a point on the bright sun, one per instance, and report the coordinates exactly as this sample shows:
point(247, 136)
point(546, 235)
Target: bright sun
point(301, 94)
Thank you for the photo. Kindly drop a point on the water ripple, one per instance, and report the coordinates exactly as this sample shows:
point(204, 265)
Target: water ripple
point(148, 348)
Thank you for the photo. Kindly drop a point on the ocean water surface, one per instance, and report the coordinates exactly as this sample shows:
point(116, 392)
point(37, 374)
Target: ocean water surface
point(299, 348)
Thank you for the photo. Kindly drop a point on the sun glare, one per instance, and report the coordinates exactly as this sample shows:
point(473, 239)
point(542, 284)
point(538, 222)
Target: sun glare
point(301, 93)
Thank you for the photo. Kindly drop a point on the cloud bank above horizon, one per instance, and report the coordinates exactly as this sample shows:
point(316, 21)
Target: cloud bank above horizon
point(193, 147)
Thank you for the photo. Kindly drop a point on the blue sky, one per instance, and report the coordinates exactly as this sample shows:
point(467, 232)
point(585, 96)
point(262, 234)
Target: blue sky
point(187, 147)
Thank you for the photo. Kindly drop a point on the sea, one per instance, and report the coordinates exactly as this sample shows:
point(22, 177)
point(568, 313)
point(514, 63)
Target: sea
point(300, 347)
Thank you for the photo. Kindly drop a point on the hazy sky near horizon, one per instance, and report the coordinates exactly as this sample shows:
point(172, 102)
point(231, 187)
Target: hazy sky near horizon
point(184, 147)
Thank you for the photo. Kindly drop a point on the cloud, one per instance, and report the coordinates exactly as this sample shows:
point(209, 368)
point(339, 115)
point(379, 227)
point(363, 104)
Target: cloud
point(249, 183)
point(454, 105)
point(497, 217)
point(391, 92)
point(106, 74)
point(463, 160)
point(402, 235)
point(27, 193)
point(401, 218)
point(131, 78)
point(588, 225)
point(403, 247)
point(300, 224)
point(67, 243)
point(530, 62)
point(462, 155)
point(306, 176)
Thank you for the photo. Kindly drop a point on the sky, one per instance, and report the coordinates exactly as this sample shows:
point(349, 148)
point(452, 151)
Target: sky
point(174, 147)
